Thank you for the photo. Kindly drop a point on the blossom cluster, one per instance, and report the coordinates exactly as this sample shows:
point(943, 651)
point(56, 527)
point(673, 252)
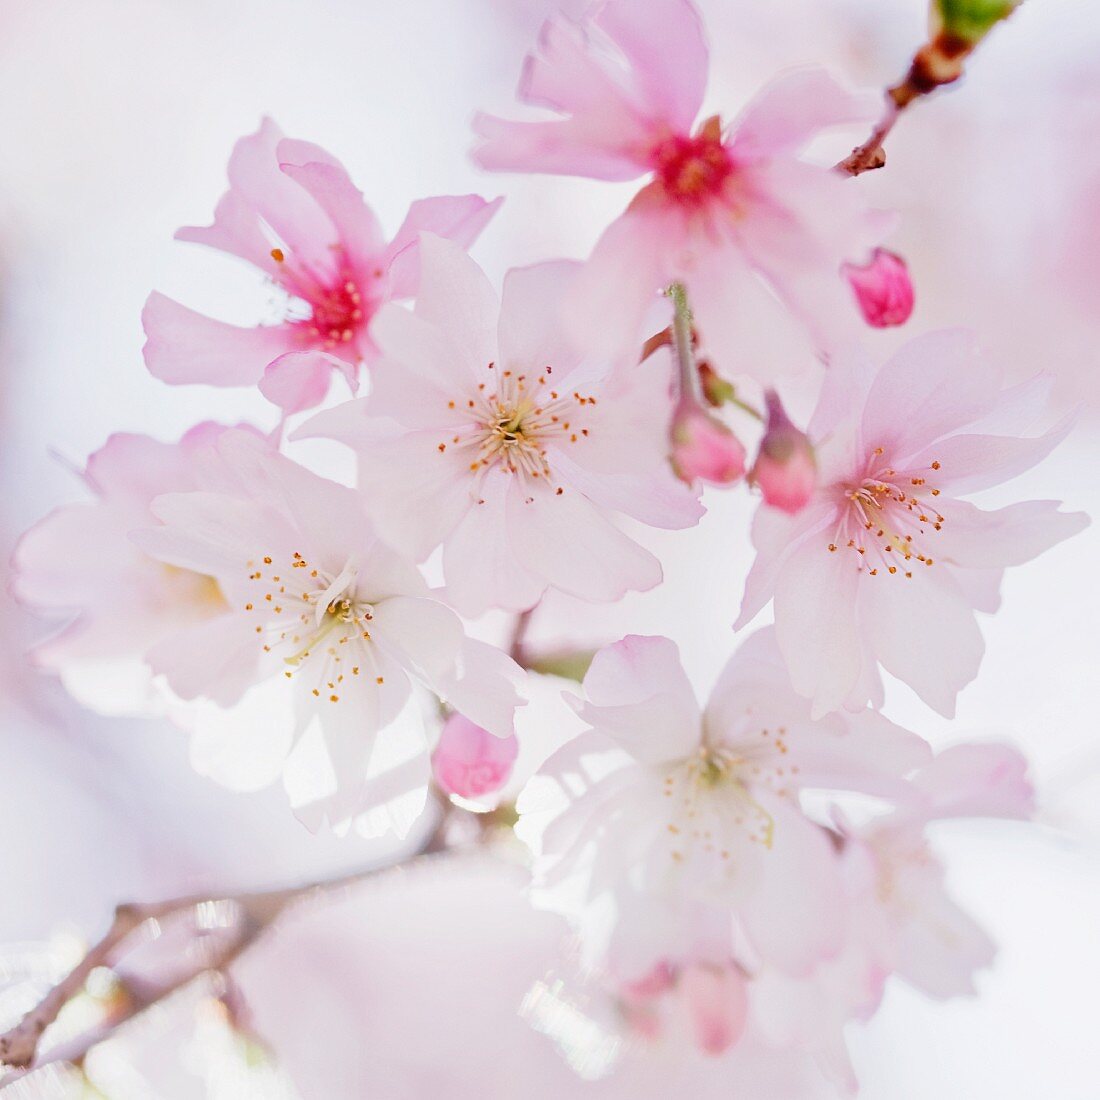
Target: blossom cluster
point(743, 874)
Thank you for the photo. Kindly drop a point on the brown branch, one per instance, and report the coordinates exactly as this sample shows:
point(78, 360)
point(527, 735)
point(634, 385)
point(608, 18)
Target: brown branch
point(256, 912)
point(936, 64)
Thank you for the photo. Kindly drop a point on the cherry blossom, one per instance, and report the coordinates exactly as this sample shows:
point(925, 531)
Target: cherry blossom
point(292, 212)
point(79, 562)
point(665, 818)
point(887, 563)
point(311, 664)
point(486, 432)
point(703, 448)
point(907, 922)
point(756, 233)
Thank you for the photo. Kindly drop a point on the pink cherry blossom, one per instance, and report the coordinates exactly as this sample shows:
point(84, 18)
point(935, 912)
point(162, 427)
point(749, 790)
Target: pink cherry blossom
point(785, 470)
point(79, 563)
point(703, 448)
point(292, 212)
point(909, 924)
point(665, 816)
point(883, 288)
point(469, 761)
point(887, 564)
point(756, 234)
point(486, 432)
point(309, 668)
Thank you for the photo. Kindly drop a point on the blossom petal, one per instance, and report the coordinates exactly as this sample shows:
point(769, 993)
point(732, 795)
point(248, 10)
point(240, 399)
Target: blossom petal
point(300, 379)
point(183, 346)
point(533, 331)
point(976, 539)
point(458, 218)
point(637, 693)
point(568, 541)
point(791, 110)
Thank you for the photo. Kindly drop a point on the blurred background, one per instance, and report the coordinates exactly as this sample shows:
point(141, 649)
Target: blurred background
point(116, 122)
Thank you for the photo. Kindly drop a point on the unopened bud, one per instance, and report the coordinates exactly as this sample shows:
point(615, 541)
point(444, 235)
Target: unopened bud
point(882, 288)
point(469, 761)
point(718, 1005)
point(785, 470)
point(704, 449)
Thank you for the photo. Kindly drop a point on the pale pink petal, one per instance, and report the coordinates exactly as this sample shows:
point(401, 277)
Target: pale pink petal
point(665, 44)
point(484, 685)
point(743, 326)
point(183, 346)
point(976, 539)
point(924, 632)
point(300, 379)
point(237, 229)
point(940, 381)
point(417, 495)
point(776, 537)
point(533, 333)
point(616, 288)
point(968, 463)
point(459, 300)
point(637, 692)
point(569, 542)
point(216, 660)
point(977, 780)
point(480, 562)
point(421, 635)
point(292, 213)
point(357, 229)
point(799, 863)
point(458, 218)
point(657, 498)
point(786, 114)
point(939, 950)
point(816, 624)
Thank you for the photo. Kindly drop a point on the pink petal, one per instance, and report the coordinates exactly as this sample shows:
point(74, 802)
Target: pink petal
point(480, 560)
point(617, 287)
point(533, 329)
point(459, 218)
point(183, 346)
point(291, 212)
point(457, 297)
point(238, 230)
point(357, 230)
point(976, 539)
point(570, 543)
point(484, 685)
point(300, 379)
point(816, 624)
point(980, 780)
point(791, 110)
point(637, 693)
point(665, 45)
point(923, 631)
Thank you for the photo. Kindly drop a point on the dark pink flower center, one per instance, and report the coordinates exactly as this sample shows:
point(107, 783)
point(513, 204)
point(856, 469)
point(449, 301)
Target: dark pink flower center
point(693, 169)
point(337, 312)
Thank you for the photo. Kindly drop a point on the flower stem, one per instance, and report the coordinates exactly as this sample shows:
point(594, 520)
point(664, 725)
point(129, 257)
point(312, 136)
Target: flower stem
point(690, 392)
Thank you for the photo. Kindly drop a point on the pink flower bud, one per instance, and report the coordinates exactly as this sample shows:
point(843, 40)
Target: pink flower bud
point(785, 470)
point(883, 289)
point(718, 1004)
point(469, 761)
point(704, 449)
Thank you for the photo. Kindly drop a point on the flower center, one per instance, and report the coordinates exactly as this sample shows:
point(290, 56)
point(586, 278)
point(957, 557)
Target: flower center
point(712, 792)
point(890, 519)
point(315, 620)
point(335, 307)
point(513, 425)
point(693, 169)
